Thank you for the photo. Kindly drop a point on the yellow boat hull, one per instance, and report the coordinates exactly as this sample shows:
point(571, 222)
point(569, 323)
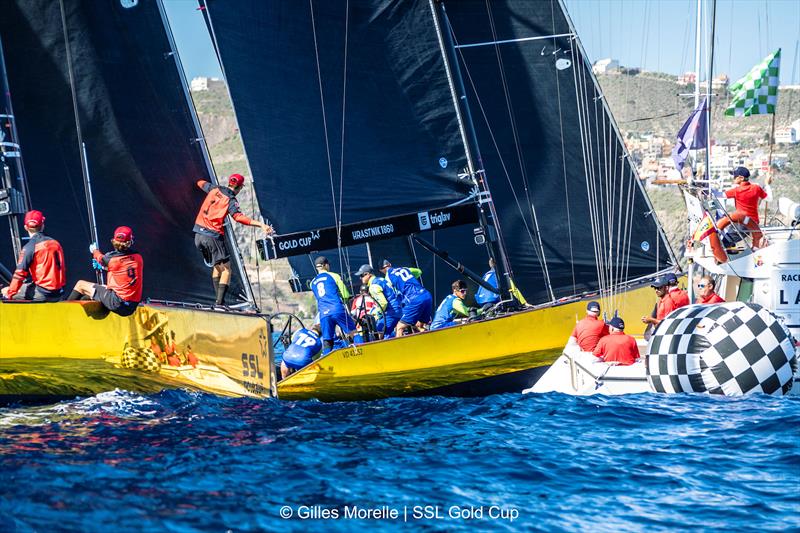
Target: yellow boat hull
point(499, 355)
point(76, 349)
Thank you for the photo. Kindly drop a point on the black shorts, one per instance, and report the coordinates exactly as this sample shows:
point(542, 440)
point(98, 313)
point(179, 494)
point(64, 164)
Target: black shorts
point(214, 249)
point(34, 293)
point(112, 301)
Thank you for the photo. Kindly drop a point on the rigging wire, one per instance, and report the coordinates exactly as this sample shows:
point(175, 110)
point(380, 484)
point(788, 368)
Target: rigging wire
point(564, 158)
point(539, 252)
point(327, 142)
point(518, 148)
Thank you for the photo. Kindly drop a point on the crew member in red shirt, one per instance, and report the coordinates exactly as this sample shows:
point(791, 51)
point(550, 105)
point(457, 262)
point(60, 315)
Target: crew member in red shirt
point(670, 296)
point(209, 229)
point(588, 331)
point(123, 292)
point(42, 258)
point(705, 292)
point(617, 346)
point(747, 196)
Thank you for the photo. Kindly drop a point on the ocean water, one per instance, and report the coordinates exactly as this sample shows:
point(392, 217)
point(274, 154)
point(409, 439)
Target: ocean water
point(180, 461)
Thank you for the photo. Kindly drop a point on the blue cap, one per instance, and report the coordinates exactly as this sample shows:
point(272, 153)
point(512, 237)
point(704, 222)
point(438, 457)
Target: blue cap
point(593, 306)
point(385, 264)
point(363, 269)
point(660, 282)
point(616, 322)
point(321, 260)
point(671, 278)
point(741, 171)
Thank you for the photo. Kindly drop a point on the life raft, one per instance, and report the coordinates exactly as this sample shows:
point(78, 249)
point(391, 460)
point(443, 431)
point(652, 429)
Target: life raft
point(730, 349)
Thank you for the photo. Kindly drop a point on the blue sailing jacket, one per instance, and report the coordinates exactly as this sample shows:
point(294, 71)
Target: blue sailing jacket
point(330, 292)
point(404, 282)
point(485, 296)
point(305, 345)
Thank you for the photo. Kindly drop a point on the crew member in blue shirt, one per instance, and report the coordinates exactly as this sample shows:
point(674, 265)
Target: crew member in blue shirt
point(417, 301)
point(305, 345)
point(331, 294)
point(386, 297)
point(452, 307)
point(486, 298)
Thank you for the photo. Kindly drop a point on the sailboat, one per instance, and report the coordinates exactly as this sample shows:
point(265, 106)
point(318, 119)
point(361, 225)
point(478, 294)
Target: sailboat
point(93, 93)
point(440, 134)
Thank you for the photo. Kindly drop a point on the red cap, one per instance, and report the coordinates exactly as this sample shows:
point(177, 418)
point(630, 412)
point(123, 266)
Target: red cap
point(235, 180)
point(34, 219)
point(123, 234)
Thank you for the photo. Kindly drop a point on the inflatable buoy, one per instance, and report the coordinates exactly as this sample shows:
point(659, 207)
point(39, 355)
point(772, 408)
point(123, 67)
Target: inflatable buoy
point(730, 349)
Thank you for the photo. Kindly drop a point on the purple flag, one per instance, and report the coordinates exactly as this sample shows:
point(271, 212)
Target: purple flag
point(692, 135)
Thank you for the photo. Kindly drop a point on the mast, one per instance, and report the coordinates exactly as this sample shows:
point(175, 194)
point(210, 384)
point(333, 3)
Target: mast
point(709, 78)
point(17, 198)
point(486, 207)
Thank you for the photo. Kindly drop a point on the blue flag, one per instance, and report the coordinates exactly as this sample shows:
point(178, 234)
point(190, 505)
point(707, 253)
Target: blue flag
point(692, 135)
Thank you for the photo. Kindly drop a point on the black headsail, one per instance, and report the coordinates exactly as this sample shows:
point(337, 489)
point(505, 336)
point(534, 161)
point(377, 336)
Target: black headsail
point(142, 141)
point(551, 149)
point(345, 115)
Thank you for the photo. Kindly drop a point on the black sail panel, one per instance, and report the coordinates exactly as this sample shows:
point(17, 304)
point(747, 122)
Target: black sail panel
point(141, 141)
point(550, 150)
point(345, 115)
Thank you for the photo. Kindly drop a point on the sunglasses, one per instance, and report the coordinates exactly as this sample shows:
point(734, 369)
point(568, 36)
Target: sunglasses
point(701, 285)
point(462, 291)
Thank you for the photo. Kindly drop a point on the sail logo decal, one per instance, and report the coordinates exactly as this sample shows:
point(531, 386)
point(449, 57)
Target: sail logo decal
point(374, 231)
point(295, 243)
point(443, 162)
point(127, 4)
point(424, 221)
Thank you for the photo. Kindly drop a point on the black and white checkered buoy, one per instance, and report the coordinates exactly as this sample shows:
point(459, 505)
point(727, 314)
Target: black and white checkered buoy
point(730, 349)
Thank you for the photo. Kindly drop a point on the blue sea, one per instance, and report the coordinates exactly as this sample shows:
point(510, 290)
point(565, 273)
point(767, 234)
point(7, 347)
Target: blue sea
point(180, 461)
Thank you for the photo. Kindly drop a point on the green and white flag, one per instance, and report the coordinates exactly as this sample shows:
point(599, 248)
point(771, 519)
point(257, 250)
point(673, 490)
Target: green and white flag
point(757, 92)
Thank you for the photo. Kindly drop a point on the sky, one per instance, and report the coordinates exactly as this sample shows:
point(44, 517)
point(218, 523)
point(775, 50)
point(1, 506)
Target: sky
point(656, 35)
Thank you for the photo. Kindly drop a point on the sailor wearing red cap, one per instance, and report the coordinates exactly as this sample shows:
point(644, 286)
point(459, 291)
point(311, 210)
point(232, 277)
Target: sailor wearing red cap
point(42, 258)
point(617, 347)
point(209, 229)
point(123, 292)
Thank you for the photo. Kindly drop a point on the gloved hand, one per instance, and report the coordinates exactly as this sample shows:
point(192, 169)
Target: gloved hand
point(92, 247)
point(96, 265)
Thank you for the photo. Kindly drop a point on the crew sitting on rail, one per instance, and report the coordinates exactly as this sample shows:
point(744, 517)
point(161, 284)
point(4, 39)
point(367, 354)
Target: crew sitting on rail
point(617, 347)
point(123, 292)
point(331, 295)
point(42, 258)
point(486, 298)
point(386, 297)
point(417, 301)
point(670, 296)
point(588, 331)
point(305, 345)
point(367, 313)
point(209, 229)
point(706, 293)
point(452, 307)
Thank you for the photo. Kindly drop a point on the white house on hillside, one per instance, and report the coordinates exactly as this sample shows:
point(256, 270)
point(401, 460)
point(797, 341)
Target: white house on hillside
point(605, 66)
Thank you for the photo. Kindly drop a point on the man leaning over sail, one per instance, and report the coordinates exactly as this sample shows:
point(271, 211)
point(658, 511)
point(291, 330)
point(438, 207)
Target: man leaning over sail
point(42, 258)
point(331, 294)
point(209, 229)
point(417, 301)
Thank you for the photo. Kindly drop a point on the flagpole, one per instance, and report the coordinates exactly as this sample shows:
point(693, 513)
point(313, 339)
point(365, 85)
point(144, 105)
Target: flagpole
point(769, 160)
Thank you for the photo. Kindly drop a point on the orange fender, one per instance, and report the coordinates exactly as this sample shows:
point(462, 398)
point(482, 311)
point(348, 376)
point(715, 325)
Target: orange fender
point(740, 218)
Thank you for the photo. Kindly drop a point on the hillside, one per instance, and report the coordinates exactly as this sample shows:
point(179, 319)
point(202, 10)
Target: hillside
point(642, 104)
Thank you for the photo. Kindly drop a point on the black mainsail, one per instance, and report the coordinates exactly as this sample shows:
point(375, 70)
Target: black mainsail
point(144, 148)
point(347, 113)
